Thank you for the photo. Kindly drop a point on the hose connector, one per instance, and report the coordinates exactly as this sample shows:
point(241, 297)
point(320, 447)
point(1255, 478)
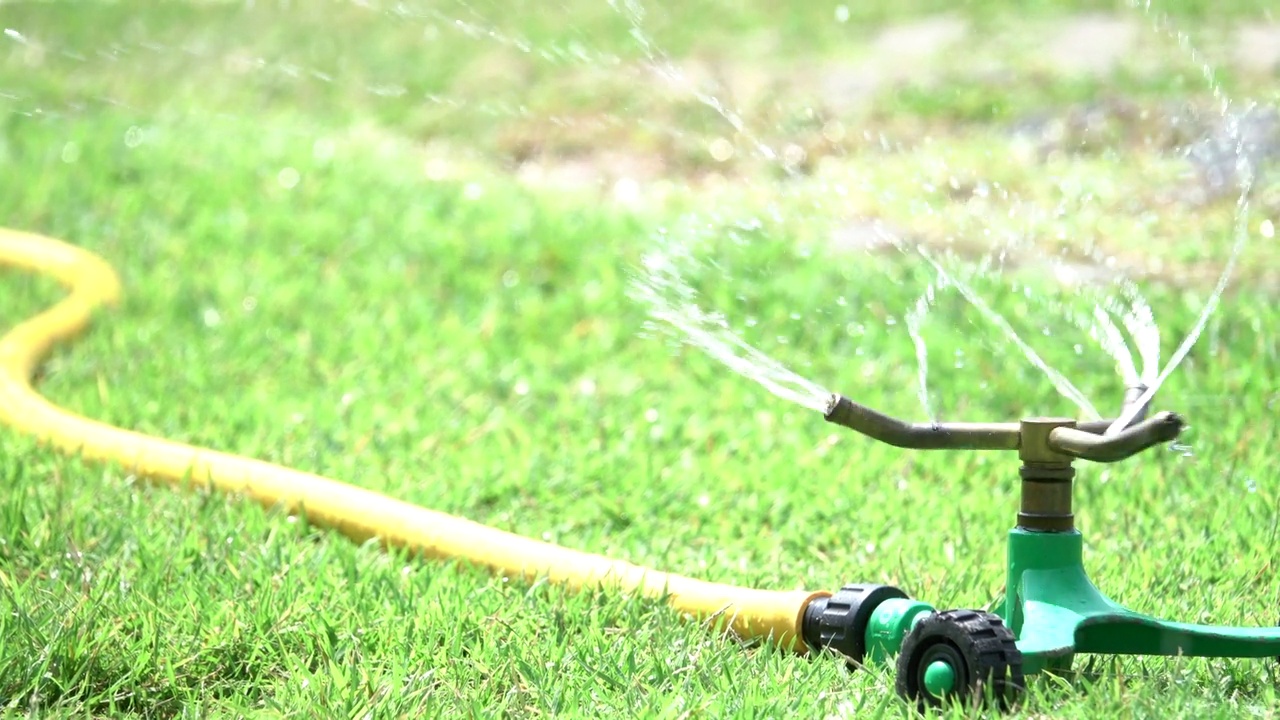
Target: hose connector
point(839, 622)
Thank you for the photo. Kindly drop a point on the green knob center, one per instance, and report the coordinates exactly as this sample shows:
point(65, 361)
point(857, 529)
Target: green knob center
point(939, 678)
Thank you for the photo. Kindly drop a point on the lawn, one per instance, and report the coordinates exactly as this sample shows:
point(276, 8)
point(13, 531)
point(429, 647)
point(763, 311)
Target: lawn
point(400, 246)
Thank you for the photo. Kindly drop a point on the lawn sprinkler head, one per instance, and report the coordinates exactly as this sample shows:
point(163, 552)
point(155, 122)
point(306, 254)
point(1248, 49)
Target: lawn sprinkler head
point(1051, 610)
point(1046, 446)
point(1037, 440)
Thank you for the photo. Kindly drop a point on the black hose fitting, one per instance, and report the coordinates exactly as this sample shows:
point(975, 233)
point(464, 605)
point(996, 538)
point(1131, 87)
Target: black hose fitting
point(839, 622)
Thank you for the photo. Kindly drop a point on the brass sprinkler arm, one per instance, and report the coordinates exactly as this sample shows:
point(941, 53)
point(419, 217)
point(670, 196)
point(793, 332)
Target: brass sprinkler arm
point(1162, 427)
point(921, 436)
point(1084, 441)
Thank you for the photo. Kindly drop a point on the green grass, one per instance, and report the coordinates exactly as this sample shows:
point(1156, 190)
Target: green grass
point(358, 285)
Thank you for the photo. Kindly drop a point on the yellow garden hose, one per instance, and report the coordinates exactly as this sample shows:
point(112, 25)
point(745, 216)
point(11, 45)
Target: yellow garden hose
point(355, 512)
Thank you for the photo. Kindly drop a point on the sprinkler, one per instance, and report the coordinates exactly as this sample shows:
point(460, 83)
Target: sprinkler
point(1051, 609)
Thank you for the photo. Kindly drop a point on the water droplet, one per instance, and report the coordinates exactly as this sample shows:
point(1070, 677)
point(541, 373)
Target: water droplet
point(288, 178)
point(510, 279)
point(70, 152)
point(1268, 229)
point(793, 155)
point(473, 191)
point(651, 415)
point(436, 169)
point(521, 388)
point(721, 149)
point(626, 191)
point(1251, 485)
point(322, 150)
point(842, 14)
point(133, 137)
point(586, 386)
point(211, 317)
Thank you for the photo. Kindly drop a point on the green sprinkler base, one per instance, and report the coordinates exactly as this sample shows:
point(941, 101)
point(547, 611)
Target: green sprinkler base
point(1055, 611)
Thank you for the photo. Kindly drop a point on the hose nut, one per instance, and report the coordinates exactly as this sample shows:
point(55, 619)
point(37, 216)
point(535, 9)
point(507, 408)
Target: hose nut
point(839, 623)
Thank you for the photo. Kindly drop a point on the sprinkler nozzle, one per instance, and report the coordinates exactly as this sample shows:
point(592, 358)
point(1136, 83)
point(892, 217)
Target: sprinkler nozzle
point(1160, 428)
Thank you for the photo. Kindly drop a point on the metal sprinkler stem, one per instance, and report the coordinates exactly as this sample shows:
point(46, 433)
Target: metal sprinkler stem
point(1047, 477)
